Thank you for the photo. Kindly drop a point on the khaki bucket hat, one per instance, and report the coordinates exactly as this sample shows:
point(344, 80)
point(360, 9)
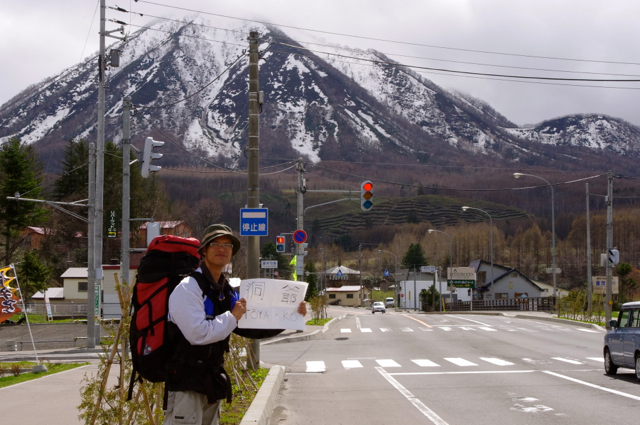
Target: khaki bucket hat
point(215, 231)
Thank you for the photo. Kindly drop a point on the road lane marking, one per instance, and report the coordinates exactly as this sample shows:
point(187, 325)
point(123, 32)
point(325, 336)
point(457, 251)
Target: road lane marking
point(487, 329)
point(466, 328)
point(358, 322)
point(459, 361)
point(345, 331)
point(532, 361)
point(365, 330)
point(387, 363)
point(425, 363)
point(426, 329)
point(316, 367)
point(385, 329)
point(470, 320)
point(588, 384)
point(595, 359)
point(433, 417)
point(467, 372)
point(351, 364)
point(495, 361)
point(406, 329)
point(417, 320)
point(445, 328)
point(562, 359)
point(587, 330)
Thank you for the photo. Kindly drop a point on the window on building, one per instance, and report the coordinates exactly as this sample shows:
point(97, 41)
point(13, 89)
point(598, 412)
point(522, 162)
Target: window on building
point(349, 295)
point(482, 276)
point(82, 286)
point(502, 296)
point(514, 274)
point(332, 295)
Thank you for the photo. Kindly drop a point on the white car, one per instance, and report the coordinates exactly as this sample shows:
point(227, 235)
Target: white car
point(378, 306)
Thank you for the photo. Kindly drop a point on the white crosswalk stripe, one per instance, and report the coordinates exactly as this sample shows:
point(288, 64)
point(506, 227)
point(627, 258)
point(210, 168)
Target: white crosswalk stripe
point(345, 331)
point(316, 367)
point(484, 328)
point(445, 328)
point(459, 362)
point(426, 329)
point(385, 329)
point(425, 363)
point(365, 330)
point(351, 364)
point(467, 328)
point(562, 359)
point(406, 329)
point(464, 328)
point(595, 359)
point(495, 361)
point(387, 363)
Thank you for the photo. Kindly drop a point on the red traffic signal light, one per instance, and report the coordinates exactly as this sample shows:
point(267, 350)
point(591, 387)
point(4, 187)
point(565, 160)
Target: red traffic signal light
point(280, 239)
point(366, 196)
point(280, 242)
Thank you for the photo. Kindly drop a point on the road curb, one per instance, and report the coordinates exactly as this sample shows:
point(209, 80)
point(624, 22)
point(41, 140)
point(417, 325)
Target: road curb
point(261, 408)
point(563, 321)
point(307, 337)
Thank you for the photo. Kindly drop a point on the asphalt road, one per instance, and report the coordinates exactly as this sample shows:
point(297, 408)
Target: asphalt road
point(450, 369)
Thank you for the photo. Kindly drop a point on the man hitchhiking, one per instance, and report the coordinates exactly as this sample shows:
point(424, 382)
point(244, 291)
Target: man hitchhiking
point(203, 311)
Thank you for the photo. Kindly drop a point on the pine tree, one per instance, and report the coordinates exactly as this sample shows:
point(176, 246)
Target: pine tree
point(20, 172)
point(414, 257)
point(33, 274)
point(73, 181)
point(311, 279)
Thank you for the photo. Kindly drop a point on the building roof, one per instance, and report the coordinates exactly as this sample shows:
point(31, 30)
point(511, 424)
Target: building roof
point(346, 288)
point(75, 273)
point(345, 270)
point(52, 293)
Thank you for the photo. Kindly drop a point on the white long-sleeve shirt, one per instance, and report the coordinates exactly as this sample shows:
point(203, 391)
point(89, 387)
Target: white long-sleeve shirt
point(186, 310)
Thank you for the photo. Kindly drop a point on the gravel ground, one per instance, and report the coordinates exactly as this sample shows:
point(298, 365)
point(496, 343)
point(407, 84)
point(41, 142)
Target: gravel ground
point(47, 336)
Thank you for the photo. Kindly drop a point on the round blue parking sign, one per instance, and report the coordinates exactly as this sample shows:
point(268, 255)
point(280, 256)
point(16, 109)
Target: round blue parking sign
point(299, 236)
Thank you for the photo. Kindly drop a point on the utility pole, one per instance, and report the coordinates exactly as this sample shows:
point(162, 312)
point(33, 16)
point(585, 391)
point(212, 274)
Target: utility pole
point(589, 287)
point(609, 301)
point(253, 181)
point(360, 268)
point(91, 271)
point(300, 191)
point(126, 190)
point(415, 300)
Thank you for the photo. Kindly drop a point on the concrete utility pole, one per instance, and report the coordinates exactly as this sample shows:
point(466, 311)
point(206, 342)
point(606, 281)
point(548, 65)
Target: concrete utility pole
point(609, 296)
point(360, 268)
point(253, 181)
point(126, 190)
point(91, 243)
point(589, 287)
point(300, 191)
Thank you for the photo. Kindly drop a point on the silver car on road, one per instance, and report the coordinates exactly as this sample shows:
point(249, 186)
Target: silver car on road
point(622, 343)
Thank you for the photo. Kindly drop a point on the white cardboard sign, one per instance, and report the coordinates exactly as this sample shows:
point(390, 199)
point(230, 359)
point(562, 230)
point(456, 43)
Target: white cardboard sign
point(272, 304)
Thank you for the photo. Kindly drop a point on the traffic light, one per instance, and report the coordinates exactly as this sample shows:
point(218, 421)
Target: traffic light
point(303, 246)
point(366, 196)
point(280, 243)
point(614, 256)
point(148, 155)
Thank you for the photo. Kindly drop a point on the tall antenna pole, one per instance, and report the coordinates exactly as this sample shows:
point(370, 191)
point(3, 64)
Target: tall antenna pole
point(253, 181)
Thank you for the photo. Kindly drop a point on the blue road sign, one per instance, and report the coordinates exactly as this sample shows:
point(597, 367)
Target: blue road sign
point(339, 274)
point(299, 236)
point(254, 222)
point(428, 269)
point(386, 273)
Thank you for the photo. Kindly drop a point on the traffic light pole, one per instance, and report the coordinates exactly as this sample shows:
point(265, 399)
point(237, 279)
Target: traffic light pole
point(126, 191)
point(253, 181)
point(300, 218)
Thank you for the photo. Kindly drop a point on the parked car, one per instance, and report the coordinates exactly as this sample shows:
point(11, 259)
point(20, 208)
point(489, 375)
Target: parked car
point(388, 302)
point(622, 343)
point(378, 306)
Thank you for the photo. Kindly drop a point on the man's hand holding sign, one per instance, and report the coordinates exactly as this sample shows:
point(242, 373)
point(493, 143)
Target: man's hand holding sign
point(272, 304)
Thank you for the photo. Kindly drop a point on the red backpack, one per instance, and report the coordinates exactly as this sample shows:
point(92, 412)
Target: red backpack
point(167, 261)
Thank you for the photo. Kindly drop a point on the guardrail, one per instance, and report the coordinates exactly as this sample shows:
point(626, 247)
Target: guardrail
point(511, 304)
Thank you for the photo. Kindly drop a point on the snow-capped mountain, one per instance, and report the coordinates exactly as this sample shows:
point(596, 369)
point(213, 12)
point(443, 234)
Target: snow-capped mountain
point(321, 102)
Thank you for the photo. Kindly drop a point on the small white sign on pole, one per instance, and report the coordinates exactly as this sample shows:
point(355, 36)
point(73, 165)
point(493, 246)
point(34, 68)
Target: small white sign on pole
point(600, 284)
point(272, 304)
point(269, 264)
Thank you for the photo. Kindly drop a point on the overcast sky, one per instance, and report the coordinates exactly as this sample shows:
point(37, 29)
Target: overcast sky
point(40, 38)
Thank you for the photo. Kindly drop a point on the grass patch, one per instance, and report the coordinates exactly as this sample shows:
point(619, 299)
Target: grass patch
point(232, 413)
point(318, 322)
point(6, 381)
point(41, 318)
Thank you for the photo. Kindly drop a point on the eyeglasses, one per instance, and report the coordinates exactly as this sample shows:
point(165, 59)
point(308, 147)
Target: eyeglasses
point(221, 245)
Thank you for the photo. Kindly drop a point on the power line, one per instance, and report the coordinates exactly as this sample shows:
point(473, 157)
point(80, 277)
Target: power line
point(186, 35)
point(392, 41)
point(525, 77)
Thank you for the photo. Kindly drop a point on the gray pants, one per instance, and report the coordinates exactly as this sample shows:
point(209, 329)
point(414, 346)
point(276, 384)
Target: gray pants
point(190, 407)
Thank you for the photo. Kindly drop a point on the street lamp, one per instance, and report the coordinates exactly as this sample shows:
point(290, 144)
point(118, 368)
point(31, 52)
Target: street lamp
point(395, 276)
point(465, 208)
point(553, 226)
point(450, 254)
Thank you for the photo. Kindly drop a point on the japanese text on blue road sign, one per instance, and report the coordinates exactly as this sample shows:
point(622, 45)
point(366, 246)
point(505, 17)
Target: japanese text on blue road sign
point(254, 222)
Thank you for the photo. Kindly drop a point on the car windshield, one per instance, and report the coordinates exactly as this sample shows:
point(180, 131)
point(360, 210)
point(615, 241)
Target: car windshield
point(378, 304)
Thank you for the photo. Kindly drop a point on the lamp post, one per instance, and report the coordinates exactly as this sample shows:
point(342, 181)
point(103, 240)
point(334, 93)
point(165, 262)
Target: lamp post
point(395, 276)
point(553, 227)
point(450, 255)
point(465, 208)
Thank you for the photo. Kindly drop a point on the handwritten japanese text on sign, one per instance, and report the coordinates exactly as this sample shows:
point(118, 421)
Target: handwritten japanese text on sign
point(272, 304)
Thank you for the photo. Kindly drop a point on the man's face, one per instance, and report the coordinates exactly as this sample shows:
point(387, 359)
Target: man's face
point(216, 255)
